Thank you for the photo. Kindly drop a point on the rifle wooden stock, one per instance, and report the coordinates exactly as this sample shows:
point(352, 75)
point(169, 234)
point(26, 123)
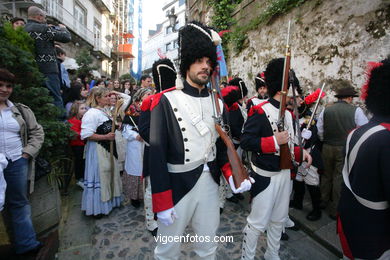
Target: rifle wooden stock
point(285, 157)
point(284, 152)
point(238, 170)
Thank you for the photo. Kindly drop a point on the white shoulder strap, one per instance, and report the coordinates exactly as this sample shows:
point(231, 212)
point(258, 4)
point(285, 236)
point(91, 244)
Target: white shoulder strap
point(350, 160)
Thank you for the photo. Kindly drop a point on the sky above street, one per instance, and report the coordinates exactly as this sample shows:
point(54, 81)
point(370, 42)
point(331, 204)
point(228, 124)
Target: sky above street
point(152, 15)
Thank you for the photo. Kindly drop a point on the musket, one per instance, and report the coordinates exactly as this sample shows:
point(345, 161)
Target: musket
point(315, 107)
point(238, 170)
point(296, 114)
point(285, 155)
point(112, 161)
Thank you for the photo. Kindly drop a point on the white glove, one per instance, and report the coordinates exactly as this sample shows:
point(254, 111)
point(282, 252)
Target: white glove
point(245, 185)
point(306, 134)
point(167, 216)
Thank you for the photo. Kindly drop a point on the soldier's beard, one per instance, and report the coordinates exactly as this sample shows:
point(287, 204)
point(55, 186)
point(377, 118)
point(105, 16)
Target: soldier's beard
point(200, 79)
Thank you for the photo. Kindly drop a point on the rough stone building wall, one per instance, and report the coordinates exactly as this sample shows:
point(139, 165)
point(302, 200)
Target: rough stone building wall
point(331, 39)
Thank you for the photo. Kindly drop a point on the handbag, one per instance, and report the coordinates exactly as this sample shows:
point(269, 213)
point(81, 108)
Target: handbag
point(42, 168)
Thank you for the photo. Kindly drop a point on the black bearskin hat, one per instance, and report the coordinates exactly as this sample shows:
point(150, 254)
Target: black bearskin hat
point(293, 80)
point(260, 81)
point(241, 85)
point(164, 74)
point(274, 77)
point(231, 94)
point(377, 89)
point(196, 41)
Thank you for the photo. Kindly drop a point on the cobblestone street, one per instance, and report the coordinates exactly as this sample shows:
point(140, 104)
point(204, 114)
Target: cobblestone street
point(122, 235)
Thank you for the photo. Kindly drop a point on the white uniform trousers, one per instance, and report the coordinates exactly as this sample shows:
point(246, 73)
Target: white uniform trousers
point(269, 212)
point(289, 223)
point(222, 191)
point(200, 206)
point(151, 224)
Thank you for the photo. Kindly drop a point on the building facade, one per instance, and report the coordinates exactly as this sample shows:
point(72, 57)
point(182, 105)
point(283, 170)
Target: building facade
point(164, 40)
point(98, 25)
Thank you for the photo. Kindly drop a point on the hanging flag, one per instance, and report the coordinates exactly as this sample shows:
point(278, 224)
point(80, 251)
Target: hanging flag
point(136, 69)
point(221, 61)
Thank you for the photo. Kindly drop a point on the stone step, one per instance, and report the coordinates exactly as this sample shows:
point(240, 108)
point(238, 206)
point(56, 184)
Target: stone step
point(323, 230)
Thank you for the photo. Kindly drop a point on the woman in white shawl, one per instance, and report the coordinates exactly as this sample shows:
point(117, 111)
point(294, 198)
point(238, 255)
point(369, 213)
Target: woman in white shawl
point(103, 187)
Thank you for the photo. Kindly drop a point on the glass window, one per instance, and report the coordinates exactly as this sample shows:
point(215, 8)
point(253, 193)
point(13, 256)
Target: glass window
point(168, 30)
point(79, 14)
point(168, 46)
point(97, 35)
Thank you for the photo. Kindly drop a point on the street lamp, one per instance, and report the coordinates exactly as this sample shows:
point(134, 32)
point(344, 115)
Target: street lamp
point(172, 17)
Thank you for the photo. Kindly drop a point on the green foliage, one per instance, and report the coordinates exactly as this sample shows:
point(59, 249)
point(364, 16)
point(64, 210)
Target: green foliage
point(19, 38)
point(84, 60)
point(61, 167)
point(272, 9)
point(223, 19)
point(223, 10)
point(16, 55)
point(127, 76)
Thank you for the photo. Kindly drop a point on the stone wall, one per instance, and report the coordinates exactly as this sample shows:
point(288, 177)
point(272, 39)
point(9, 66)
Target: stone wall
point(330, 39)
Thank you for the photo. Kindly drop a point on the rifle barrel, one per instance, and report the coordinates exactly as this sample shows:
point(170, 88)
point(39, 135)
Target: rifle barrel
point(316, 107)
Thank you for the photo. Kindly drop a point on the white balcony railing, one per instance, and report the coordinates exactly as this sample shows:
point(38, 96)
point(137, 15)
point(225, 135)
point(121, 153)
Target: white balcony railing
point(109, 4)
point(102, 46)
point(64, 16)
point(58, 12)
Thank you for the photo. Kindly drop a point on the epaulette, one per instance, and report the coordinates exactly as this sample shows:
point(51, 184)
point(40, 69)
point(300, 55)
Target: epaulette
point(225, 106)
point(147, 103)
point(157, 97)
point(247, 102)
point(386, 125)
point(257, 109)
point(234, 107)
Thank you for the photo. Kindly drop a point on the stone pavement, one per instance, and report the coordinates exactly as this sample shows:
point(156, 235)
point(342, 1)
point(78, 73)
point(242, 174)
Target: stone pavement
point(122, 235)
point(323, 230)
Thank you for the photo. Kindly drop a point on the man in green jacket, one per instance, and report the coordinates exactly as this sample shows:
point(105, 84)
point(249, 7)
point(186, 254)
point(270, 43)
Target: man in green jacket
point(334, 124)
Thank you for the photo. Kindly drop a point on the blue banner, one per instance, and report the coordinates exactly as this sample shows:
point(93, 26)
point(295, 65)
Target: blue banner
point(221, 60)
point(136, 70)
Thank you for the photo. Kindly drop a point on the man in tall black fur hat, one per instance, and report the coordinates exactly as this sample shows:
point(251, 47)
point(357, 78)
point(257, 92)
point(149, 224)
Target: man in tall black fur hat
point(261, 92)
point(271, 191)
point(242, 87)
point(363, 211)
point(186, 153)
point(164, 76)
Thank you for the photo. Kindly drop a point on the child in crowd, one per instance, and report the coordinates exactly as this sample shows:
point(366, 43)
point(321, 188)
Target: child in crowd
point(132, 183)
point(76, 113)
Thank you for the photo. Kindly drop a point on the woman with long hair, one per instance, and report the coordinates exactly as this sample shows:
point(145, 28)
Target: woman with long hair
point(126, 86)
point(103, 187)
